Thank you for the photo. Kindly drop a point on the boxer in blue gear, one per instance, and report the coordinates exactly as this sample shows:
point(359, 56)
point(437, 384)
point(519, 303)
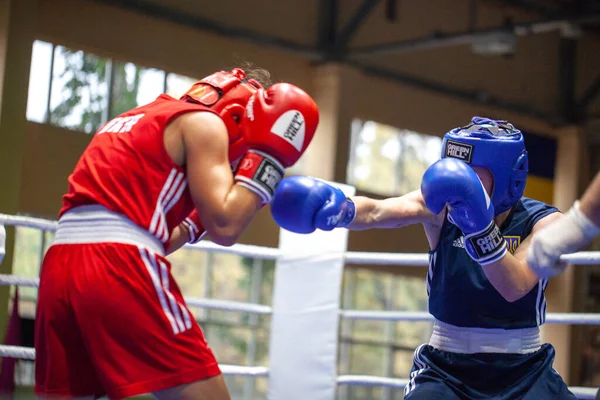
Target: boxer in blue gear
point(487, 303)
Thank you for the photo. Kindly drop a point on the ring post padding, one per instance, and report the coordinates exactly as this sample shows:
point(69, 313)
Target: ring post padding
point(304, 324)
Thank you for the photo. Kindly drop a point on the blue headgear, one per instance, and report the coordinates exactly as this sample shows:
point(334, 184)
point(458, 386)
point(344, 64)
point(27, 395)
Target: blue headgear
point(497, 146)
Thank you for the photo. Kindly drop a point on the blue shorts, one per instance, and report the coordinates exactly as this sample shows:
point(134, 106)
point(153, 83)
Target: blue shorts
point(439, 374)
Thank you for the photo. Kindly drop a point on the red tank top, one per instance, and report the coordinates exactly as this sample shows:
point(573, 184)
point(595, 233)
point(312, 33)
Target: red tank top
point(126, 169)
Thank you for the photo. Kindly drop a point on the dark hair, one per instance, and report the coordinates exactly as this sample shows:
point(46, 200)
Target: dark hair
point(259, 74)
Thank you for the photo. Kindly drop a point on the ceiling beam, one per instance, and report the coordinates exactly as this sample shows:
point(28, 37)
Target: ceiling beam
point(475, 96)
point(391, 10)
point(187, 19)
point(310, 53)
point(590, 94)
point(567, 53)
point(327, 25)
point(545, 10)
point(463, 38)
point(349, 30)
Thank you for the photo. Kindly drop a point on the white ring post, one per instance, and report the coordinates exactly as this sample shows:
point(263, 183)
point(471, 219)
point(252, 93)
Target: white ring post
point(306, 304)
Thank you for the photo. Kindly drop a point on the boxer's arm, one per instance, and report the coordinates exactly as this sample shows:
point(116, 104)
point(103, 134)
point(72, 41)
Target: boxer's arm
point(569, 235)
point(225, 208)
point(510, 275)
point(394, 212)
point(179, 237)
point(589, 204)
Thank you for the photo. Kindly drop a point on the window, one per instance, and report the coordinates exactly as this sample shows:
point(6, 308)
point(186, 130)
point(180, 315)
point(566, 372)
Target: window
point(30, 246)
point(39, 81)
point(133, 86)
point(177, 85)
point(29, 251)
point(388, 161)
point(79, 91)
point(383, 348)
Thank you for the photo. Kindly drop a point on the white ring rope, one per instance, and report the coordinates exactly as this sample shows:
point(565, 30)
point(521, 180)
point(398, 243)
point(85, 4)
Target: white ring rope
point(367, 380)
point(269, 253)
point(28, 222)
point(12, 280)
point(415, 316)
point(551, 318)
point(22, 353)
point(244, 250)
point(422, 260)
point(212, 304)
point(239, 370)
point(227, 305)
point(28, 353)
point(406, 259)
point(582, 258)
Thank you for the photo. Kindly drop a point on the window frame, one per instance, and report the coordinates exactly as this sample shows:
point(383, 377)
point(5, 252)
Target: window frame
point(106, 111)
point(397, 174)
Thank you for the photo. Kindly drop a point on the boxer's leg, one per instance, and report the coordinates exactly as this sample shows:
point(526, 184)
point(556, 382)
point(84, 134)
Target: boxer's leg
point(429, 389)
point(140, 333)
point(546, 383)
point(428, 379)
point(63, 368)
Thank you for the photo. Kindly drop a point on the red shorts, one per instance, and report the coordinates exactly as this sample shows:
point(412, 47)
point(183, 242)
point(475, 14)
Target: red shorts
point(111, 320)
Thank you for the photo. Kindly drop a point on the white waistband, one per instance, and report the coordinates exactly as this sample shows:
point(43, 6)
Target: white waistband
point(457, 339)
point(97, 224)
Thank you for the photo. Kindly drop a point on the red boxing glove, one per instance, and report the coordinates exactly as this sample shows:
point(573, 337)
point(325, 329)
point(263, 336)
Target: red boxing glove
point(194, 227)
point(278, 126)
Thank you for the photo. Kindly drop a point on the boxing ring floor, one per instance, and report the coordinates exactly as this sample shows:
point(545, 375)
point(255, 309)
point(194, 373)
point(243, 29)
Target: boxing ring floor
point(294, 317)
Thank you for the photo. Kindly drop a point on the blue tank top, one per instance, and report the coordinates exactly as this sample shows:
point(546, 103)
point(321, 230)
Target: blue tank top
point(460, 293)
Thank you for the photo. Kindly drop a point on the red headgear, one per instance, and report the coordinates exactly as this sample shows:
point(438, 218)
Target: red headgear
point(227, 93)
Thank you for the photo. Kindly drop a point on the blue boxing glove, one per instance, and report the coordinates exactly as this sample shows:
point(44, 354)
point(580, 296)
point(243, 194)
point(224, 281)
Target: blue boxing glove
point(302, 204)
point(452, 182)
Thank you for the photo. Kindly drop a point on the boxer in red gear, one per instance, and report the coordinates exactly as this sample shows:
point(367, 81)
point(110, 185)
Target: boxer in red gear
point(110, 318)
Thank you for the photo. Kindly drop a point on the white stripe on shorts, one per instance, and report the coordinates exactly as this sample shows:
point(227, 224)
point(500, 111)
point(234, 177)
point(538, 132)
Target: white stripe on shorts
point(412, 384)
point(164, 277)
point(419, 363)
point(154, 275)
point(178, 309)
